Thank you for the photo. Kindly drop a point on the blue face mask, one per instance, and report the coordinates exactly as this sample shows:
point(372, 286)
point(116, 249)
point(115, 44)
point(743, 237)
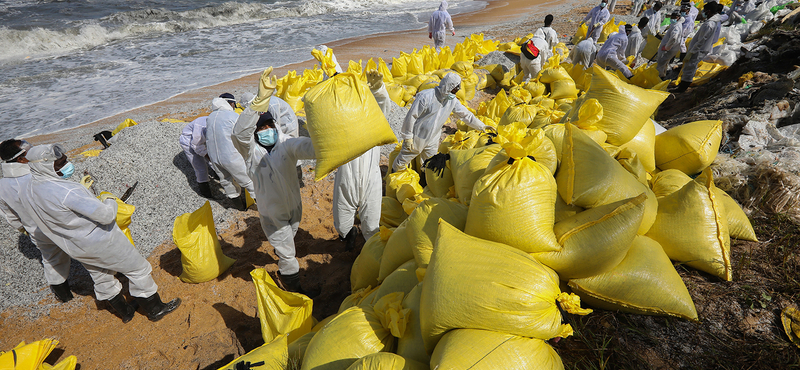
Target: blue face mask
point(683, 14)
point(267, 137)
point(449, 96)
point(67, 170)
point(602, 5)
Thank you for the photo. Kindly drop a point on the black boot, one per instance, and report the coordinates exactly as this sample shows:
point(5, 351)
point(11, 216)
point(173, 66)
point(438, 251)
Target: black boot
point(350, 239)
point(683, 86)
point(122, 308)
point(62, 291)
point(205, 189)
point(291, 283)
point(155, 309)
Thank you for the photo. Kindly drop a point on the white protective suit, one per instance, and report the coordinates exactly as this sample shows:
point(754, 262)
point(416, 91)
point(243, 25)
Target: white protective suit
point(584, 53)
point(84, 227)
point(438, 25)
point(612, 53)
point(193, 142)
point(595, 21)
point(225, 159)
point(531, 68)
point(324, 50)
point(284, 116)
point(636, 7)
point(654, 19)
point(688, 26)
point(669, 47)
point(277, 191)
point(358, 186)
point(611, 5)
point(16, 177)
point(701, 45)
point(635, 43)
point(547, 34)
point(424, 121)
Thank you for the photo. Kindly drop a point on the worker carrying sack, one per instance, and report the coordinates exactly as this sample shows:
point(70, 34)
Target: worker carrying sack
point(344, 121)
point(201, 255)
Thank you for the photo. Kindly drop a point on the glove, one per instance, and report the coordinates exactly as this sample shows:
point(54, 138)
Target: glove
point(437, 163)
point(454, 33)
point(104, 196)
point(374, 79)
point(266, 87)
point(87, 181)
point(663, 48)
point(23, 231)
point(430, 35)
point(489, 130)
point(408, 145)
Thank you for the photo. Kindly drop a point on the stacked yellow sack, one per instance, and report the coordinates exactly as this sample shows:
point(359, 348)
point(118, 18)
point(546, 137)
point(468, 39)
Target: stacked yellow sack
point(32, 355)
point(273, 354)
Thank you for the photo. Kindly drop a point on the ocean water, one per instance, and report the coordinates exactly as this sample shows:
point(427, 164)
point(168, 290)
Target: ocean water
point(67, 63)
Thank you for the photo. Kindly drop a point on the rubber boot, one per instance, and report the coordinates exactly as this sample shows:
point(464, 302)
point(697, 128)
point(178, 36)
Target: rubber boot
point(122, 308)
point(62, 291)
point(205, 189)
point(683, 86)
point(291, 283)
point(350, 239)
point(155, 308)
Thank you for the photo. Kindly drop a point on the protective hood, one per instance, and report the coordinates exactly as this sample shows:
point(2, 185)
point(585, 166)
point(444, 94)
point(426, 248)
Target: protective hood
point(448, 83)
point(41, 159)
point(246, 98)
point(622, 29)
point(443, 5)
point(220, 104)
point(322, 48)
point(15, 169)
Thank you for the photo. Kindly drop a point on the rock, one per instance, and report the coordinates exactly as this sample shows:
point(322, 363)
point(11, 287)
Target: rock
point(506, 60)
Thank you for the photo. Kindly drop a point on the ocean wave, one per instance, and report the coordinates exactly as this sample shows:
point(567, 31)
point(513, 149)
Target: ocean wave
point(40, 42)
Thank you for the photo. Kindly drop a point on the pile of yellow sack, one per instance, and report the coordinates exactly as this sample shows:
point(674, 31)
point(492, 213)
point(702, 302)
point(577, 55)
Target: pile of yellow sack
point(31, 356)
point(467, 271)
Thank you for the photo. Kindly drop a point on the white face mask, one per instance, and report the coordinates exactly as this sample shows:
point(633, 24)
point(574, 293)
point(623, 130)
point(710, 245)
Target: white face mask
point(449, 96)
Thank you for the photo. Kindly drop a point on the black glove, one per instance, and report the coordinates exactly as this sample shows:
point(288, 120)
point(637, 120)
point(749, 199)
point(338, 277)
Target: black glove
point(437, 163)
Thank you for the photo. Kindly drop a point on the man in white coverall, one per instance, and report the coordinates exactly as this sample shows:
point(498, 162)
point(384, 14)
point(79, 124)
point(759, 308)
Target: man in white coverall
point(654, 17)
point(193, 142)
point(669, 46)
point(438, 24)
point(547, 33)
point(16, 177)
point(271, 157)
point(635, 40)
point(422, 126)
point(86, 229)
point(702, 43)
point(595, 20)
point(225, 160)
point(636, 7)
point(358, 186)
point(584, 53)
point(612, 53)
point(534, 53)
point(689, 14)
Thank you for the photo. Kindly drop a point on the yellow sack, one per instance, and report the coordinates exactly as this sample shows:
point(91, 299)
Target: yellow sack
point(563, 89)
point(27, 355)
point(564, 210)
point(608, 28)
point(646, 77)
point(580, 34)
point(125, 124)
point(201, 255)
point(595, 240)
point(645, 282)
point(274, 354)
point(363, 296)
point(651, 48)
point(396, 252)
point(704, 73)
point(403, 184)
point(643, 144)
point(446, 58)
point(690, 147)
point(392, 213)
point(386, 361)
point(477, 284)
point(440, 185)
point(535, 88)
point(524, 192)
point(399, 67)
point(401, 280)
point(297, 349)
point(551, 75)
point(281, 312)
point(668, 181)
point(420, 79)
point(626, 108)
point(555, 132)
point(589, 115)
point(497, 106)
point(326, 60)
point(365, 268)
point(468, 166)
point(415, 62)
point(344, 121)
point(539, 145)
point(692, 228)
point(411, 345)
point(91, 152)
point(524, 113)
point(423, 226)
point(739, 225)
point(355, 333)
point(124, 214)
point(489, 350)
point(630, 161)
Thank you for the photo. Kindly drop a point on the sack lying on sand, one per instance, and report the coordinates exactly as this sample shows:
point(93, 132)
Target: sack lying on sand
point(645, 282)
point(201, 255)
point(274, 354)
point(281, 312)
point(344, 121)
point(690, 147)
point(490, 350)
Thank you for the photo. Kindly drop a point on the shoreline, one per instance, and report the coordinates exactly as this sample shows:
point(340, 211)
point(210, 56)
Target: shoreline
point(189, 104)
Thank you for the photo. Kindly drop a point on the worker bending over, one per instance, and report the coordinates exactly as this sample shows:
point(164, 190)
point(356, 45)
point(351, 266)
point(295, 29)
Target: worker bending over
point(612, 53)
point(534, 53)
point(669, 46)
point(636, 41)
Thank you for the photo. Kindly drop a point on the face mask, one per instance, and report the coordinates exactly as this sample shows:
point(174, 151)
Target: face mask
point(602, 5)
point(267, 137)
point(683, 14)
point(449, 96)
point(67, 170)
